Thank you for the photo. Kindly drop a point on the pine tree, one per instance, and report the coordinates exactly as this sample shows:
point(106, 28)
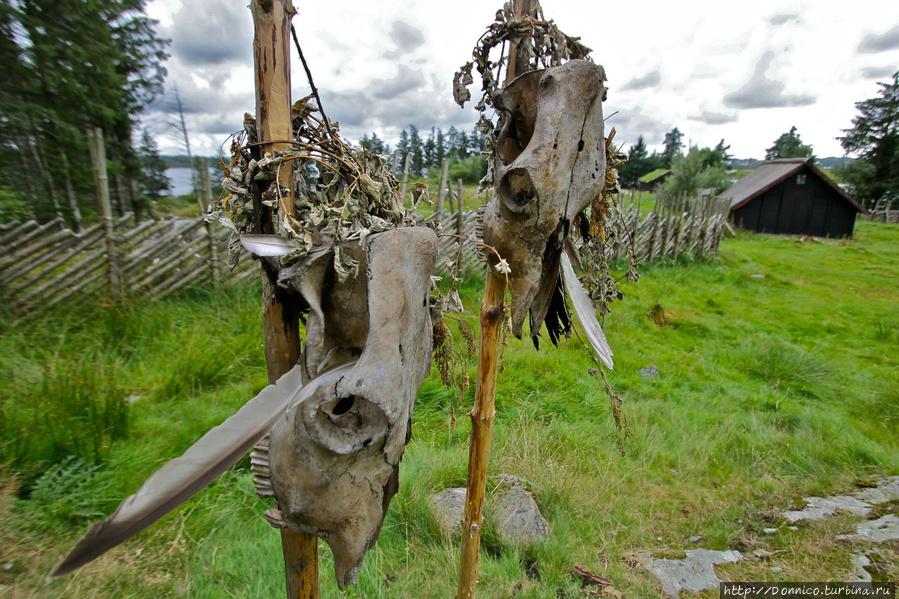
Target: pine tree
point(874, 138)
point(789, 145)
point(416, 150)
point(673, 144)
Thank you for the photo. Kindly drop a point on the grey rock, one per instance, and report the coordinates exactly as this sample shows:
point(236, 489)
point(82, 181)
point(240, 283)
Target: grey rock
point(695, 539)
point(652, 372)
point(519, 520)
point(448, 506)
point(769, 531)
point(887, 490)
point(821, 507)
point(694, 573)
point(759, 277)
point(517, 517)
point(875, 531)
point(859, 562)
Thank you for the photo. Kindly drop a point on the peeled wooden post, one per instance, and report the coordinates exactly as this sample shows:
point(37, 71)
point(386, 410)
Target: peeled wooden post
point(210, 231)
point(271, 56)
point(441, 189)
point(482, 415)
point(459, 209)
point(405, 177)
point(97, 152)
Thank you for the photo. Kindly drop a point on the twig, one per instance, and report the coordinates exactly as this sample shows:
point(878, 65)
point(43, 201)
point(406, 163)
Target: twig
point(321, 108)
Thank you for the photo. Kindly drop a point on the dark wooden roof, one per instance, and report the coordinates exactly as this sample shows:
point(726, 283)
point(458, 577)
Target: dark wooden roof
point(771, 173)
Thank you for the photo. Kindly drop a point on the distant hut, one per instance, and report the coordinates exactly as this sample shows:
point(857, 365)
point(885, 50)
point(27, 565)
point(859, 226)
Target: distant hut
point(791, 196)
point(650, 181)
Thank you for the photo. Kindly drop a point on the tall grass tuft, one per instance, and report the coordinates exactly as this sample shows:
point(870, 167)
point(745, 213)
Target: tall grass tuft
point(77, 408)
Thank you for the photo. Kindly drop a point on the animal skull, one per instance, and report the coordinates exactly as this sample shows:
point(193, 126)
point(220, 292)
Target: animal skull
point(549, 164)
point(334, 458)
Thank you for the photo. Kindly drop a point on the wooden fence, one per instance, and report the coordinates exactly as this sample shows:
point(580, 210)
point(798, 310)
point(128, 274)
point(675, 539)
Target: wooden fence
point(46, 266)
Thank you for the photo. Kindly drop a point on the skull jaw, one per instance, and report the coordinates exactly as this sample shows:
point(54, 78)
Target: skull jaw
point(550, 164)
point(335, 456)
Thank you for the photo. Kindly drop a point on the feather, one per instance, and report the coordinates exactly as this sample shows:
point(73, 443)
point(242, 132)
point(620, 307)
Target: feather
point(586, 313)
point(179, 479)
point(266, 245)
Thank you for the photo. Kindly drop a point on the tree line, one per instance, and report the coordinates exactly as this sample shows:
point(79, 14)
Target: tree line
point(464, 149)
point(66, 66)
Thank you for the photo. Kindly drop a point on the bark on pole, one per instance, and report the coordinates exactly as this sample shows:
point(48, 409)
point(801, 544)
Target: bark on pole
point(482, 415)
point(271, 55)
point(97, 151)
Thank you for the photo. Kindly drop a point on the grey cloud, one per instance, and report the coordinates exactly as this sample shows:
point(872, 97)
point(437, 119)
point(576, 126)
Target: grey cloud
point(210, 38)
point(781, 19)
point(630, 124)
point(878, 72)
point(406, 80)
point(406, 37)
point(652, 79)
point(873, 42)
point(714, 118)
point(761, 92)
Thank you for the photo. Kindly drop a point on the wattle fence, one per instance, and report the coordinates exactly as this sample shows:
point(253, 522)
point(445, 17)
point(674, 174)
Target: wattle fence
point(47, 266)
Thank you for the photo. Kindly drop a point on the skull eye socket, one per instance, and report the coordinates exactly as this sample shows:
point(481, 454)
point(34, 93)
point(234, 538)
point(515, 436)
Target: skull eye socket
point(517, 190)
point(518, 115)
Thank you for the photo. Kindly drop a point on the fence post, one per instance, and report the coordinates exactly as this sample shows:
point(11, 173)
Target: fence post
point(98, 161)
point(210, 228)
point(441, 189)
point(271, 57)
point(405, 177)
point(460, 208)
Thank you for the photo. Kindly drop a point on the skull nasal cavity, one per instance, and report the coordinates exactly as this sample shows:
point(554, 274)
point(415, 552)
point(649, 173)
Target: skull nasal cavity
point(343, 406)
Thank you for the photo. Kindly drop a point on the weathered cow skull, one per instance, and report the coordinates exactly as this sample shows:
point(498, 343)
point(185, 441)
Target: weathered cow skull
point(334, 457)
point(549, 165)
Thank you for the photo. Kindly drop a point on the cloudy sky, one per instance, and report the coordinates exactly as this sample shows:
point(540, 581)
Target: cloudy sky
point(745, 72)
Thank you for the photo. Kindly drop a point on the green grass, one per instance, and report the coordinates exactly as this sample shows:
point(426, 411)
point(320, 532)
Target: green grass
point(769, 388)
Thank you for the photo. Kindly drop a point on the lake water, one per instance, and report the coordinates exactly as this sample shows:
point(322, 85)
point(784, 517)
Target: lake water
point(180, 178)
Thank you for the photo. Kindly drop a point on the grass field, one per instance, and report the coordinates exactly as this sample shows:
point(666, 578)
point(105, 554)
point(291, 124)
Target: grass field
point(778, 378)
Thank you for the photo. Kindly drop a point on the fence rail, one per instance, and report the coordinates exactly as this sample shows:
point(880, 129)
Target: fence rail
point(43, 266)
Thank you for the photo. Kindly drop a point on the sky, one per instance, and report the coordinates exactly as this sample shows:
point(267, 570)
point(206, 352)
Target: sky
point(742, 72)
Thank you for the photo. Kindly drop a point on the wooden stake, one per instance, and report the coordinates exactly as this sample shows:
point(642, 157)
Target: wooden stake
point(97, 151)
point(271, 54)
point(482, 415)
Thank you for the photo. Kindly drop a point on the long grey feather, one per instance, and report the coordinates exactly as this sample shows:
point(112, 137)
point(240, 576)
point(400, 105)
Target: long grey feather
point(586, 313)
point(266, 245)
point(179, 479)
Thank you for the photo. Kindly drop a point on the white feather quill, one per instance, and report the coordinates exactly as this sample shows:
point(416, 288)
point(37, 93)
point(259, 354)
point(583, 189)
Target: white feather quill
point(586, 312)
point(266, 245)
point(179, 479)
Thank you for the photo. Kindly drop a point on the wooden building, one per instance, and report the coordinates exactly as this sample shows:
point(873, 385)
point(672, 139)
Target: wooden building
point(791, 196)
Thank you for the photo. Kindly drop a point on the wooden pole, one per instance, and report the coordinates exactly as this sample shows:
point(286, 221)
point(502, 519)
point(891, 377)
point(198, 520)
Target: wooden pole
point(405, 176)
point(97, 151)
point(210, 227)
point(482, 415)
point(459, 209)
point(441, 189)
point(271, 55)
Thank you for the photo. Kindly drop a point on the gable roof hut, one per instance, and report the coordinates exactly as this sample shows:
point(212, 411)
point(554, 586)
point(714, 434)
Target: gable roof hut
point(791, 196)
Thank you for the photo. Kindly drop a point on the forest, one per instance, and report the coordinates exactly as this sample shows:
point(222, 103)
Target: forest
point(67, 66)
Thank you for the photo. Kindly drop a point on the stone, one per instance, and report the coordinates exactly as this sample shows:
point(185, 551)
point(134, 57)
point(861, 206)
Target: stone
point(448, 506)
point(694, 573)
point(887, 490)
point(821, 507)
point(859, 562)
point(652, 372)
point(519, 521)
point(514, 512)
point(875, 531)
